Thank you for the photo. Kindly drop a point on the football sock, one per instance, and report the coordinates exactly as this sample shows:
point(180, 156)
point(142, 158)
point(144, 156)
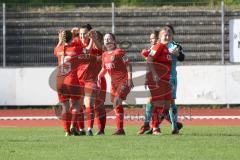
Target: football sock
point(119, 112)
point(173, 116)
point(148, 114)
point(80, 120)
point(100, 113)
point(155, 116)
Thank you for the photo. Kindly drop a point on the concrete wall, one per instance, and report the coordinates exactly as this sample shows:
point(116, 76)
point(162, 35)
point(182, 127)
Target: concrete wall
point(196, 85)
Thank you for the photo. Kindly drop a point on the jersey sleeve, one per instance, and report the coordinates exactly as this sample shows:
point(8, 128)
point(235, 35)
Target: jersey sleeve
point(123, 56)
point(155, 51)
point(145, 53)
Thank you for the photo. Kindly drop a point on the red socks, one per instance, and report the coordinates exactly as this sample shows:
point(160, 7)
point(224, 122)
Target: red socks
point(80, 120)
point(157, 113)
point(100, 115)
point(119, 112)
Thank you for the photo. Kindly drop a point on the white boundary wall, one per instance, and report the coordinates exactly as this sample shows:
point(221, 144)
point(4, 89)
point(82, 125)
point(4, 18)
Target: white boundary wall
point(196, 85)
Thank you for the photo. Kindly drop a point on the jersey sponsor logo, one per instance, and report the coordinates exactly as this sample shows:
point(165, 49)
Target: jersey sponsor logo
point(109, 65)
point(84, 56)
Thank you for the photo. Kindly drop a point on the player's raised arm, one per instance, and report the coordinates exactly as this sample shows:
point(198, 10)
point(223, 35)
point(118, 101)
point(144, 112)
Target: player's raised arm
point(60, 37)
point(96, 38)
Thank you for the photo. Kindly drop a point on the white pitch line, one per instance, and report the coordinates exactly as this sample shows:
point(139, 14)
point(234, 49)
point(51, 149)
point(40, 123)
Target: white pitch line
point(30, 118)
point(209, 117)
point(127, 117)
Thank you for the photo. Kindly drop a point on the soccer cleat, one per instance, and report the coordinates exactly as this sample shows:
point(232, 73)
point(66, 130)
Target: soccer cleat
point(82, 133)
point(67, 134)
point(175, 131)
point(150, 131)
point(74, 131)
point(100, 133)
point(119, 132)
point(156, 131)
point(179, 125)
point(89, 133)
point(143, 129)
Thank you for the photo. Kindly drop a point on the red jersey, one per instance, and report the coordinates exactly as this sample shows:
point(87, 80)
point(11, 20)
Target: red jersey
point(96, 65)
point(162, 60)
point(115, 64)
point(71, 51)
point(88, 71)
point(67, 81)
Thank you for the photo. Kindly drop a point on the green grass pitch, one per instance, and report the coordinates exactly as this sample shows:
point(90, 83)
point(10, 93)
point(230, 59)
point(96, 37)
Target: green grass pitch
point(49, 143)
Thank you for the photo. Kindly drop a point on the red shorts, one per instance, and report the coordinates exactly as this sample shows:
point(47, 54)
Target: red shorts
point(101, 93)
point(161, 92)
point(119, 90)
point(68, 87)
point(88, 87)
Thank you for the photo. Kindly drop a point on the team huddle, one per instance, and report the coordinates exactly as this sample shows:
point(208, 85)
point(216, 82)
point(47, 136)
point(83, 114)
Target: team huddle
point(85, 56)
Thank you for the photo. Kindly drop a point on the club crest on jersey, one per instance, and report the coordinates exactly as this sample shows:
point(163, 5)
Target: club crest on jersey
point(125, 58)
point(152, 52)
point(112, 58)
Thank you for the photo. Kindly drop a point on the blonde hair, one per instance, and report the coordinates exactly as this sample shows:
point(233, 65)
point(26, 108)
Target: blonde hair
point(164, 29)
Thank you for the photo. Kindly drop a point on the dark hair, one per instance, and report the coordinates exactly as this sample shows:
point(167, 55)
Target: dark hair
point(171, 27)
point(156, 33)
point(99, 35)
point(87, 26)
point(113, 36)
point(68, 36)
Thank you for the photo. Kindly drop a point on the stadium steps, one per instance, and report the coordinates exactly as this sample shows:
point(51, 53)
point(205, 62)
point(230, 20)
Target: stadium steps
point(198, 31)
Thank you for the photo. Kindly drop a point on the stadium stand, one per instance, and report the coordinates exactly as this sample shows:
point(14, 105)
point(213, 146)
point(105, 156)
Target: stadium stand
point(32, 35)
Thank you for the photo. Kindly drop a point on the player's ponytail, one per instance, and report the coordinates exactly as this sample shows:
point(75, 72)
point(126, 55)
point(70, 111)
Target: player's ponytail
point(67, 36)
